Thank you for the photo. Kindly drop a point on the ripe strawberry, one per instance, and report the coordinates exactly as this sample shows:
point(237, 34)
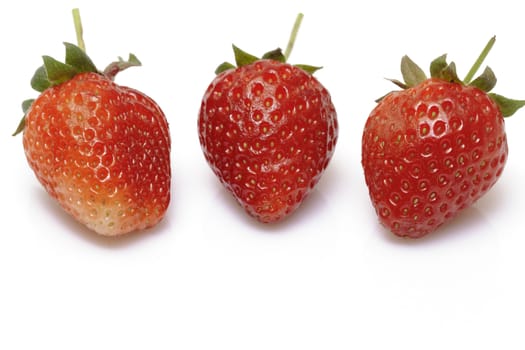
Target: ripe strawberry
point(436, 147)
point(268, 130)
point(100, 149)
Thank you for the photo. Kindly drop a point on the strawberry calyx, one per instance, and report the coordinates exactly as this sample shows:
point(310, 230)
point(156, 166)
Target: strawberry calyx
point(413, 75)
point(243, 58)
point(54, 72)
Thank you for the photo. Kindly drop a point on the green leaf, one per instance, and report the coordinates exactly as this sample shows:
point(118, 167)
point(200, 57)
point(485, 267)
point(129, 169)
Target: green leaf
point(399, 83)
point(224, 67)
point(40, 81)
point(58, 72)
point(307, 68)
point(276, 55)
point(118, 66)
point(383, 97)
point(242, 58)
point(133, 60)
point(438, 65)
point(412, 73)
point(507, 106)
point(22, 124)
point(449, 74)
point(486, 81)
point(54, 72)
point(77, 58)
point(27, 104)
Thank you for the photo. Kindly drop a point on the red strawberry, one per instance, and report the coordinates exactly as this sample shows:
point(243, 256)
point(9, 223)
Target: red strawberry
point(100, 149)
point(268, 130)
point(436, 147)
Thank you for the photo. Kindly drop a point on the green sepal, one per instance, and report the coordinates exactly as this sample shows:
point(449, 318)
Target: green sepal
point(54, 72)
point(486, 81)
point(77, 58)
point(118, 66)
point(440, 69)
point(58, 72)
point(27, 104)
point(224, 67)
point(25, 107)
point(40, 82)
point(21, 126)
point(438, 65)
point(412, 73)
point(383, 97)
point(307, 68)
point(276, 55)
point(398, 83)
point(242, 58)
point(450, 74)
point(506, 105)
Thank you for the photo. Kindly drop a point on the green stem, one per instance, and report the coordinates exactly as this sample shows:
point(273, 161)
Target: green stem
point(78, 29)
point(479, 61)
point(293, 35)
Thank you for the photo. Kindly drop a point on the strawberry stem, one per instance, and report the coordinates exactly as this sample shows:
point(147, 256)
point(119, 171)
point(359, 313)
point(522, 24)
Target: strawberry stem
point(293, 35)
point(78, 29)
point(479, 61)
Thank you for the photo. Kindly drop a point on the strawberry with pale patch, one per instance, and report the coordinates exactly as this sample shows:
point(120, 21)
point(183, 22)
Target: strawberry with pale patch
point(100, 149)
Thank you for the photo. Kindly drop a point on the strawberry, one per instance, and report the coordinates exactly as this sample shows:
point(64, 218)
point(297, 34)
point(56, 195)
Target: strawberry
point(100, 149)
point(268, 130)
point(436, 147)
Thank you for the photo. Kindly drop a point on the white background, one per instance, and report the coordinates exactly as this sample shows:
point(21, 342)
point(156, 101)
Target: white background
point(209, 277)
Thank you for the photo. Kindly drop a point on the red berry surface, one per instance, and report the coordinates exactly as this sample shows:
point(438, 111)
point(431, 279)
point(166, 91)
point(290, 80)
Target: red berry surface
point(431, 151)
point(434, 148)
point(268, 130)
point(102, 151)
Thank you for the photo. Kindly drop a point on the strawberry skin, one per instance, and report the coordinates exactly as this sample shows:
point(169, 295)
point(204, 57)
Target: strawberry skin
point(102, 151)
point(434, 148)
point(268, 130)
point(429, 152)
